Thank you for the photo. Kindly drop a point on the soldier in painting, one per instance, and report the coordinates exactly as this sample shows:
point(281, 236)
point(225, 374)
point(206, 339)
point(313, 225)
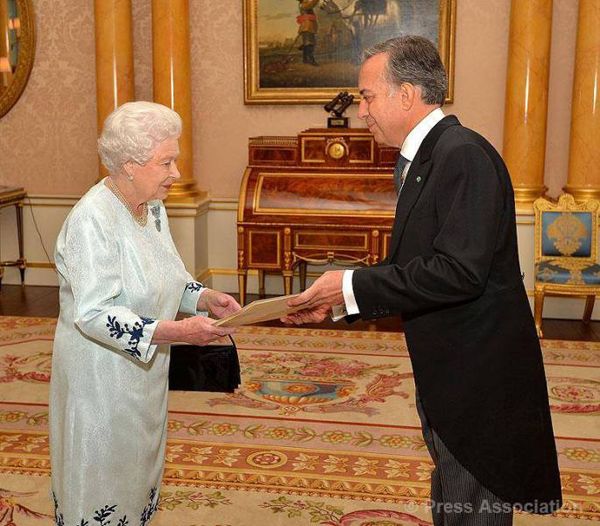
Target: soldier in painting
point(307, 21)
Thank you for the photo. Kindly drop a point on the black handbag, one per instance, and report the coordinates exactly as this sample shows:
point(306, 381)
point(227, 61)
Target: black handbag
point(209, 368)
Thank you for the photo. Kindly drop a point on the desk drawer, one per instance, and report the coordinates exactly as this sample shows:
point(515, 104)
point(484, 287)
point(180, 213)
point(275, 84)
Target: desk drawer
point(264, 249)
point(319, 240)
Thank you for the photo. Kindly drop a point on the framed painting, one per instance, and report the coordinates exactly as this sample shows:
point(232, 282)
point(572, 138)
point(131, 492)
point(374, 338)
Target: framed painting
point(306, 51)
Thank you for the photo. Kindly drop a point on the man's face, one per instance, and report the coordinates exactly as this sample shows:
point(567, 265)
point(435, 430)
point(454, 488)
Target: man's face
point(380, 105)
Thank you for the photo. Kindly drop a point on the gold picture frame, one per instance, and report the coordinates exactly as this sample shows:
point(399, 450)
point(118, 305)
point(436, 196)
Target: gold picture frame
point(274, 68)
point(16, 67)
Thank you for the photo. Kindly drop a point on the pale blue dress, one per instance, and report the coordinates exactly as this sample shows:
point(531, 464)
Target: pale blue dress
point(108, 390)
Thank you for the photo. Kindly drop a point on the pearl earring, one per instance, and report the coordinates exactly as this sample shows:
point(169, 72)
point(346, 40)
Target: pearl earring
point(130, 177)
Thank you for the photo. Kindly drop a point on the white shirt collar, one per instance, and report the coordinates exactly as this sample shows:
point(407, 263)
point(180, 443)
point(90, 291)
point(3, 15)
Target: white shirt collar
point(413, 140)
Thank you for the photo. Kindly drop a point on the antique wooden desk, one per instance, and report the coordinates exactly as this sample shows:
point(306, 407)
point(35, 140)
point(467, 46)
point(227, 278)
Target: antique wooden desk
point(12, 196)
point(325, 196)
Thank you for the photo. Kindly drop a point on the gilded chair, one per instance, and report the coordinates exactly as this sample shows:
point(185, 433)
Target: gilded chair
point(565, 252)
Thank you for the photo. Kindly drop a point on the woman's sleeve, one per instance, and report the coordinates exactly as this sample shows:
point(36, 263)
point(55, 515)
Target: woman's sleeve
point(92, 260)
point(191, 295)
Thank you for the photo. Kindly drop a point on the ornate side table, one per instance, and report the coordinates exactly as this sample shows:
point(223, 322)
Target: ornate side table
point(14, 196)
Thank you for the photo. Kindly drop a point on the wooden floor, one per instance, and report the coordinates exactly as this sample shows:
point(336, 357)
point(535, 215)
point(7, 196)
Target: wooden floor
point(43, 301)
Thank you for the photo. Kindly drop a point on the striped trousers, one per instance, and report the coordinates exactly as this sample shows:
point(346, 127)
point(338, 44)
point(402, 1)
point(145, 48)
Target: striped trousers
point(457, 498)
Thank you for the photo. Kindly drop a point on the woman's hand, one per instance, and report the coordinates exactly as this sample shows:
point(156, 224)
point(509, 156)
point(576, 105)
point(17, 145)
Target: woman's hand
point(217, 303)
point(197, 330)
point(200, 330)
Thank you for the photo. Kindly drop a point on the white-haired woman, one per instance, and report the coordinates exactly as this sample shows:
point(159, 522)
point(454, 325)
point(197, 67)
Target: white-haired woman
point(122, 283)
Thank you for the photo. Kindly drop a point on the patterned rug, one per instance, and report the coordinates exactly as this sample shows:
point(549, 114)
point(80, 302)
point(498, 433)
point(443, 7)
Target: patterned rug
point(323, 431)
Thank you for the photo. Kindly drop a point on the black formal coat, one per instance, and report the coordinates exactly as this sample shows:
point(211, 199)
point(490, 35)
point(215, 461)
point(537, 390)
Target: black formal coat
point(453, 274)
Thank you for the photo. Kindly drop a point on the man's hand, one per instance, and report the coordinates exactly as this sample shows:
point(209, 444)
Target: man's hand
point(317, 300)
point(316, 315)
point(217, 303)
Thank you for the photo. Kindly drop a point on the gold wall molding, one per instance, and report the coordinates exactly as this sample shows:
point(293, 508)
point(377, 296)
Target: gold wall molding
point(179, 209)
point(41, 264)
point(584, 153)
point(525, 194)
point(527, 98)
point(203, 276)
point(224, 203)
point(51, 200)
point(583, 192)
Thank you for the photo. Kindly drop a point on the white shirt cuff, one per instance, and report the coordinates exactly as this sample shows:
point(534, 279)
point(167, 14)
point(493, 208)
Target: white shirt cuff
point(350, 307)
point(348, 292)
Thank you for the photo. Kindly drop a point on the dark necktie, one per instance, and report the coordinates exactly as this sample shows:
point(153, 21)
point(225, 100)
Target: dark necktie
point(399, 175)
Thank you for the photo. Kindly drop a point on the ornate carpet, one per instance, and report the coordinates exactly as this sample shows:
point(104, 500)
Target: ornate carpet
point(323, 431)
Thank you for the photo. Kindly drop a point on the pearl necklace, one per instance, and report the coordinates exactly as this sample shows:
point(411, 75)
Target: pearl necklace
point(140, 219)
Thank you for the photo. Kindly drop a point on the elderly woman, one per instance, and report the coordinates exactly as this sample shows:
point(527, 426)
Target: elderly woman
point(122, 283)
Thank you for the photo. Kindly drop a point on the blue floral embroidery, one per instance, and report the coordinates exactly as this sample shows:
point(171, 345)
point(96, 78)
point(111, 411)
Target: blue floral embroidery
point(102, 516)
point(194, 286)
point(150, 508)
point(58, 517)
point(136, 333)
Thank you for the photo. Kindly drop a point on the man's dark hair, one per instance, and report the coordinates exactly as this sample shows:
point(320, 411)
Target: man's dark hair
point(415, 60)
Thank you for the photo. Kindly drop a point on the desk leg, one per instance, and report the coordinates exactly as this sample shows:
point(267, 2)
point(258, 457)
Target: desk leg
point(589, 308)
point(21, 262)
point(288, 276)
point(242, 285)
point(302, 271)
point(261, 283)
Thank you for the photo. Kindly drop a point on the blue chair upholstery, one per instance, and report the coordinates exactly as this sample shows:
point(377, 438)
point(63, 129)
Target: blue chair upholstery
point(554, 272)
point(566, 234)
point(565, 251)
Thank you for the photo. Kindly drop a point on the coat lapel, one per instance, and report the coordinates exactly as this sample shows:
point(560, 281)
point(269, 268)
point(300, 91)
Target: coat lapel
point(415, 179)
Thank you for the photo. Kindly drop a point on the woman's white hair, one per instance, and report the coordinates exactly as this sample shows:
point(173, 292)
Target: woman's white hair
point(132, 132)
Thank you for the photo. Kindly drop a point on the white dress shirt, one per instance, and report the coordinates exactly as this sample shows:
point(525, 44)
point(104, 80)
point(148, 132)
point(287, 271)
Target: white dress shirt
point(409, 149)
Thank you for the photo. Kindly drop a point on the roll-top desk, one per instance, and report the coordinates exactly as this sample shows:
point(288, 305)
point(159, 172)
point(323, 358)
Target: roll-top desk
point(325, 196)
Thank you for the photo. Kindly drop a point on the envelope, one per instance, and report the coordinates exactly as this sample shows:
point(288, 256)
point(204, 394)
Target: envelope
point(259, 311)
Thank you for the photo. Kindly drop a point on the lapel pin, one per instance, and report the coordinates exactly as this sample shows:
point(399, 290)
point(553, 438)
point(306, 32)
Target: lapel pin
point(418, 179)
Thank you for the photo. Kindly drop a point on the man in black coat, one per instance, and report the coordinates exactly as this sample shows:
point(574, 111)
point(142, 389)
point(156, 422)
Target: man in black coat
point(453, 274)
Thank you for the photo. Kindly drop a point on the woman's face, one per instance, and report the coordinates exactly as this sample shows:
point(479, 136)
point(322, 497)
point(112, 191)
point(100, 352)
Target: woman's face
point(154, 179)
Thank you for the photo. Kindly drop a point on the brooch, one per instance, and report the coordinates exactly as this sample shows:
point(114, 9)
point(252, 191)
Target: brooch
point(156, 214)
